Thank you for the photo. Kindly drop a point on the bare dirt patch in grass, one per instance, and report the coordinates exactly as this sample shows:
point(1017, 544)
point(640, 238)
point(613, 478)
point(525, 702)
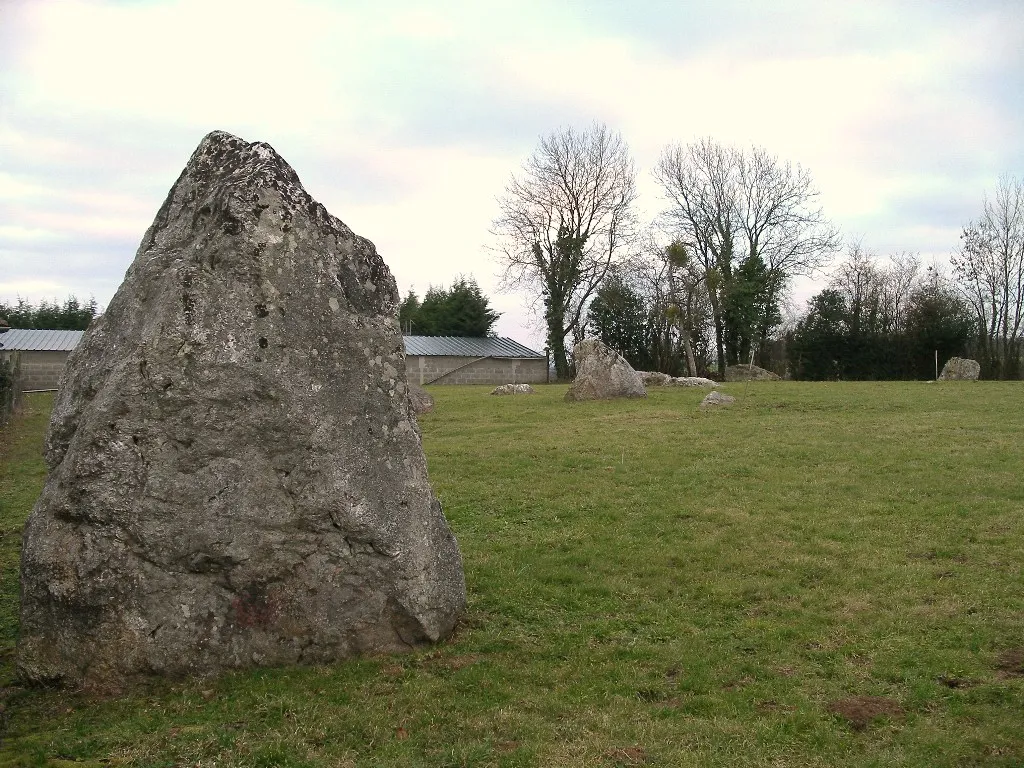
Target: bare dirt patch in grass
point(1011, 663)
point(861, 711)
point(626, 756)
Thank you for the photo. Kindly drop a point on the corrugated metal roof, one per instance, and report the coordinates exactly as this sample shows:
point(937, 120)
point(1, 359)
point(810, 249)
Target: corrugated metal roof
point(467, 346)
point(457, 346)
point(33, 340)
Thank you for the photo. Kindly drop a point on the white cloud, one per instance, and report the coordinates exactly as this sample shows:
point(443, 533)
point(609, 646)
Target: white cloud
point(406, 120)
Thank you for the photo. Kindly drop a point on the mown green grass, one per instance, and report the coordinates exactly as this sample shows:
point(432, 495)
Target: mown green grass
point(648, 584)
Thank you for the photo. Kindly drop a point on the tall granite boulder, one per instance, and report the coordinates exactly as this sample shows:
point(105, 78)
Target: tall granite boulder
point(602, 373)
point(235, 478)
point(960, 369)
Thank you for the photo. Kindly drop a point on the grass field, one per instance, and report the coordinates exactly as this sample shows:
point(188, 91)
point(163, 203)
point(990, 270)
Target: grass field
point(648, 585)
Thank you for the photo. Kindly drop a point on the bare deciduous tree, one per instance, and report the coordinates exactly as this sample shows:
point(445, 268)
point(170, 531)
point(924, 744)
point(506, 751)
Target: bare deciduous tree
point(731, 207)
point(563, 222)
point(876, 295)
point(990, 270)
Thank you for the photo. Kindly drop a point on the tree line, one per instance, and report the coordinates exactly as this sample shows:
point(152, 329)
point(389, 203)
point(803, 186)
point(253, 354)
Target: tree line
point(460, 310)
point(703, 286)
point(71, 315)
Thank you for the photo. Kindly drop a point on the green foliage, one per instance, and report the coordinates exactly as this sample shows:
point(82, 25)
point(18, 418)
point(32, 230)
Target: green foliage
point(408, 311)
point(72, 315)
point(839, 340)
point(620, 319)
point(657, 589)
point(750, 307)
point(461, 310)
point(937, 320)
point(10, 387)
point(819, 343)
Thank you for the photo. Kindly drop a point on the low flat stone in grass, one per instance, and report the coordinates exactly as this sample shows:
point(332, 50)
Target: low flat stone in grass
point(513, 389)
point(716, 399)
point(692, 381)
point(745, 372)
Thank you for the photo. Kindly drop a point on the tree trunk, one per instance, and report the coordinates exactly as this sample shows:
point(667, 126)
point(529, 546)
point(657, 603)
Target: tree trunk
point(556, 342)
point(691, 364)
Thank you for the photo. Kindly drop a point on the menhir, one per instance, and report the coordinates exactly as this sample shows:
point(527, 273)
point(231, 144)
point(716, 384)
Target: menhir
point(234, 475)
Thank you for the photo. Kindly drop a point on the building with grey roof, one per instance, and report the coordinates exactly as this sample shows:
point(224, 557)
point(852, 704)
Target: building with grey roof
point(471, 360)
point(43, 354)
point(428, 359)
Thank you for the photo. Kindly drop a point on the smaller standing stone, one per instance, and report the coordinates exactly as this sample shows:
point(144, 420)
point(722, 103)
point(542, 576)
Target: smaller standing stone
point(513, 389)
point(602, 373)
point(960, 369)
point(420, 401)
point(715, 399)
point(744, 372)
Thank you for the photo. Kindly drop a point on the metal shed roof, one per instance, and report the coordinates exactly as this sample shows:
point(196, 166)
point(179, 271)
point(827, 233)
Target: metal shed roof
point(31, 340)
point(24, 339)
point(467, 346)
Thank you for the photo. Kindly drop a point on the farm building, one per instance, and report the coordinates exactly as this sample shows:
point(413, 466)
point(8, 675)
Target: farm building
point(428, 359)
point(43, 354)
point(467, 360)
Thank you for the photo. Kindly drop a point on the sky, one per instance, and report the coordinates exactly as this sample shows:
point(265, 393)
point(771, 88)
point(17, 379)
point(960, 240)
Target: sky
point(407, 119)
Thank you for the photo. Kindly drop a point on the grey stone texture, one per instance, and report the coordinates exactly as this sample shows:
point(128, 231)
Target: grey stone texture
point(420, 401)
point(513, 389)
point(655, 378)
point(745, 372)
point(960, 369)
point(453, 369)
point(235, 478)
point(602, 373)
point(715, 399)
point(693, 381)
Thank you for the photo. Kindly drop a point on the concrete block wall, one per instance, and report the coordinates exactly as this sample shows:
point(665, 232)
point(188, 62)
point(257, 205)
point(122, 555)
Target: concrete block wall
point(424, 369)
point(41, 369)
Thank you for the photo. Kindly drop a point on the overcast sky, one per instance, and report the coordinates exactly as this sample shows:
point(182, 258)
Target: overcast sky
point(406, 118)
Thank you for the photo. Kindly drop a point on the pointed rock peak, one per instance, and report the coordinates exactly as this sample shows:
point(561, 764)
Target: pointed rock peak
point(224, 159)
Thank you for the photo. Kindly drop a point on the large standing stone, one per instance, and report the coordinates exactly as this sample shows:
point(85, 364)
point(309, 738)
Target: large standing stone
point(234, 475)
point(960, 369)
point(602, 373)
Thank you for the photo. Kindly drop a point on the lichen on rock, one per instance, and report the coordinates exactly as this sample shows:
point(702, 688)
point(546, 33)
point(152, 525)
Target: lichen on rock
point(234, 475)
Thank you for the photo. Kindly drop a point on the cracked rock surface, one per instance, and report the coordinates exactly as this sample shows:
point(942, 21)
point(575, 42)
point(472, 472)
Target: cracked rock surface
point(235, 478)
point(602, 373)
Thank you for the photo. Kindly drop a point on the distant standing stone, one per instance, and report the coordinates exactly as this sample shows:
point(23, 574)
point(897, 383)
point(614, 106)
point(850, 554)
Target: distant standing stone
point(420, 400)
point(513, 389)
point(234, 476)
point(715, 399)
point(745, 372)
point(602, 373)
point(960, 369)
